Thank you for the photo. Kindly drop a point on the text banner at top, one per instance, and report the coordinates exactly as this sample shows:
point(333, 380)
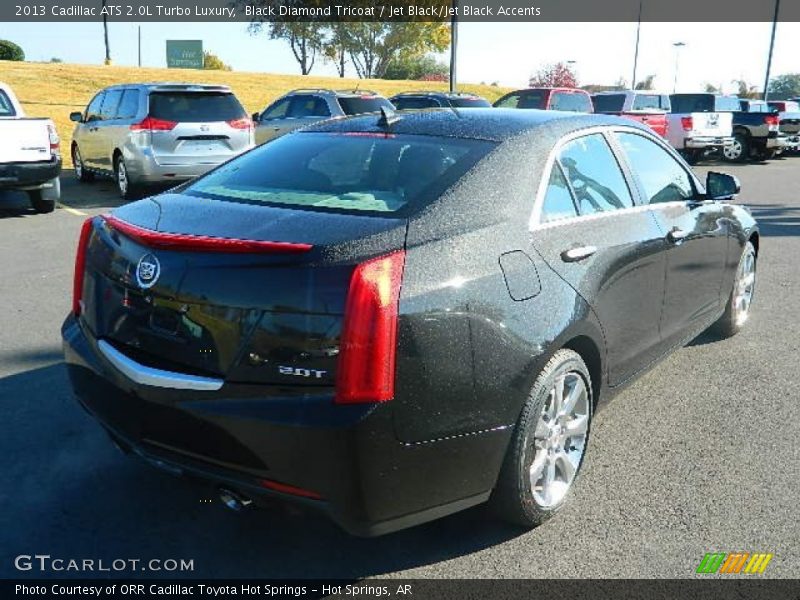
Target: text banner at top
point(520, 11)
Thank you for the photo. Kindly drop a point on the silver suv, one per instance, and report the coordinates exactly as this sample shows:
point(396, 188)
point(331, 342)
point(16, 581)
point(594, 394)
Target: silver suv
point(161, 132)
point(304, 107)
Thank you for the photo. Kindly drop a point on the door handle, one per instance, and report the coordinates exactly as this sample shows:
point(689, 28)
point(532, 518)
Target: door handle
point(676, 235)
point(577, 254)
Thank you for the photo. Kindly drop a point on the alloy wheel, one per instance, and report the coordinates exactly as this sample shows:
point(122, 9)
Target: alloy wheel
point(745, 285)
point(122, 178)
point(733, 151)
point(77, 162)
point(560, 439)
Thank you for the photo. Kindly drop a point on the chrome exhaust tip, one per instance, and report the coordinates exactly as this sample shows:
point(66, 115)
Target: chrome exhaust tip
point(233, 500)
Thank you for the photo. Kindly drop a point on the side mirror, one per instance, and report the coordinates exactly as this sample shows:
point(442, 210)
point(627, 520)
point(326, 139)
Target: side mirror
point(721, 186)
point(76, 116)
point(256, 117)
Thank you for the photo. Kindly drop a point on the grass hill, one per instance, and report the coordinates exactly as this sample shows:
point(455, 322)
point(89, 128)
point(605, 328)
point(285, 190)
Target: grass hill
point(55, 90)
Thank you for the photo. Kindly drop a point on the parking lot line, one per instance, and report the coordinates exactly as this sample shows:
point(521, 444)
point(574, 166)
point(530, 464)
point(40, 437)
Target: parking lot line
point(71, 210)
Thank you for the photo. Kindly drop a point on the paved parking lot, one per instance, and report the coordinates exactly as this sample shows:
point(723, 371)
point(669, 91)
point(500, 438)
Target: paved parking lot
point(702, 454)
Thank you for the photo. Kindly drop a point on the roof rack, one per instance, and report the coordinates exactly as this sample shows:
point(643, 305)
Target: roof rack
point(307, 90)
point(445, 93)
point(358, 91)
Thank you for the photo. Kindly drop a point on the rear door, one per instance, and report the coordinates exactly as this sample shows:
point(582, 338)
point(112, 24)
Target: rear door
point(589, 230)
point(198, 127)
point(696, 233)
point(570, 101)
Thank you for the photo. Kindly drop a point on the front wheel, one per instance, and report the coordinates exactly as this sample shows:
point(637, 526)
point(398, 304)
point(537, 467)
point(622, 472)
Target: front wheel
point(81, 174)
point(127, 189)
point(737, 310)
point(549, 442)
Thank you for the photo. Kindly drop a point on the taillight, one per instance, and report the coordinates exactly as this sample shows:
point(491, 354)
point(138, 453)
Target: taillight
point(153, 124)
point(771, 120)
point(201, 243)
point(687, 123)
point(243, 123)
point(55, 141)
point(368, 348)
point(80, 267)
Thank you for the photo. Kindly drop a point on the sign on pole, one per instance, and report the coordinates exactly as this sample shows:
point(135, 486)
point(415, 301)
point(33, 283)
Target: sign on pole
point(185, 54)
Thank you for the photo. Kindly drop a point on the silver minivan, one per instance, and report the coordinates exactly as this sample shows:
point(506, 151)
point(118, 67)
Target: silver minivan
point(143, 134)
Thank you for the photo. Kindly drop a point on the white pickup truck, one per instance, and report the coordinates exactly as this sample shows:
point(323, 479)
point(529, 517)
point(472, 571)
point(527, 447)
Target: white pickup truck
point(30, 155)
point(696, 125)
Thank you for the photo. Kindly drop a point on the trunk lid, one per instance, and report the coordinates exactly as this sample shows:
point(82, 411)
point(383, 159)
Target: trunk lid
point(24, 140)
point(260, 317)
point(712, 124)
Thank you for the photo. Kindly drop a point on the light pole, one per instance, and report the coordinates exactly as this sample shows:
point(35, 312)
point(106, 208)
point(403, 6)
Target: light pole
point(678, 46)
point(636, 50)
point(771, 48)
point(453, 46)
point(105, 33)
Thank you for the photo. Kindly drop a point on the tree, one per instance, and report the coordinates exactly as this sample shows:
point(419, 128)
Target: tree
point(711, 88)
point(425, 68)
point(554, 75)
point(335, 46)
point(305, 39)
point(10, 51)
point(646, 83)
point(745, 90)
point(212, 62)
point(785, 86)
point(372, 46)
point(55, 59)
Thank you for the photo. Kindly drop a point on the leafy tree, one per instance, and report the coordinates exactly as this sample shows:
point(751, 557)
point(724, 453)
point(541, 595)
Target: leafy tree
point(417, 67)
point(374, 45)
point(785, 86)
point(646, 83)
point(335, 46)
point(554, 75)
point(212, 62)
point(305, 38)
point(745, 90)
point(712, 89)
point(10, 51)
point(55, 59)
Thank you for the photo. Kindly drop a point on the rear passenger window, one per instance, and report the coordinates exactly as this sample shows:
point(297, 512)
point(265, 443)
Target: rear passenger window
point(109, 109)
point(417, 102)
point(570, 102)
point(662, 178)
point(595, 175)
point(646, 102)
point(308, 106)
point(6, 108)
point(129, 105)
point(558, 202)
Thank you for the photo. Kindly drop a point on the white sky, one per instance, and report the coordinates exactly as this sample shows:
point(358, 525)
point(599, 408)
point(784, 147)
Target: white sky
point(504, 52)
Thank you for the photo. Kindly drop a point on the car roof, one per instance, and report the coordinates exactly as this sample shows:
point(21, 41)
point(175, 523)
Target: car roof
point(437, 93)
point(493, 124)
point(354, 93)
point(166, 86)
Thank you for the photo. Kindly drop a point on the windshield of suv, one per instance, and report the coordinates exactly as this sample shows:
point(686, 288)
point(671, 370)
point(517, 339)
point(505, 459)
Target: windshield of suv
point(524, 99)
point(347, 172)
point(6, 108)
point(356, 105)
point(195, 107)
point(608, 102)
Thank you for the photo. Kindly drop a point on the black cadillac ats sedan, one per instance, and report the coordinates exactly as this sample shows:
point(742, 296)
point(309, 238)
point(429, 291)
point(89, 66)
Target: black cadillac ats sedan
point(395, 318)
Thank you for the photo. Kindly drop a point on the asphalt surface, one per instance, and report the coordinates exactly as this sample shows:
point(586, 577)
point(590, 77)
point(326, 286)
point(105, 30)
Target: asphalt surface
point(702, 454)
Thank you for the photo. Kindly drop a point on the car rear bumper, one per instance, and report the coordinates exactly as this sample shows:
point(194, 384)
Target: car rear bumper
point(143, 167)
point(703, 142)
point(781, 143)
point(348, 457)
point(28, 175)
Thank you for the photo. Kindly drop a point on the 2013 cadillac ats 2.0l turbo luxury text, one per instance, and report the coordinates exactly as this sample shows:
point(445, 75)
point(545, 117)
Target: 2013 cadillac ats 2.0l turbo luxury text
point(392, 318)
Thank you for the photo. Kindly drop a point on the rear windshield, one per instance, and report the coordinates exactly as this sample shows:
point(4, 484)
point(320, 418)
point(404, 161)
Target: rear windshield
point(356, 105)
point(608, 102)
point(526, 99)
point(469, 102)
point(350, 172)
point(6, 108)
point(415, 102)
point(195, 107)
point(689, 103)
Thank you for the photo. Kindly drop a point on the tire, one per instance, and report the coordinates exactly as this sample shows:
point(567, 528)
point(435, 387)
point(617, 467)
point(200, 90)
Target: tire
point(737, 309)
point(127, 189)
point(81, 174)
point(39, 203)
point(739, 151)
point(522, 495)
point(692, 157)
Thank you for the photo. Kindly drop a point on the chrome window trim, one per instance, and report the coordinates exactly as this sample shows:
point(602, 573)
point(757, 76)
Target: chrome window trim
point(145, 375)
point(535, 223)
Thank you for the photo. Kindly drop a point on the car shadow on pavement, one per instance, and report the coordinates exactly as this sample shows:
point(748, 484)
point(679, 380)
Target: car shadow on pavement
point(75, 496)
point(100, 193)
point(777, 220)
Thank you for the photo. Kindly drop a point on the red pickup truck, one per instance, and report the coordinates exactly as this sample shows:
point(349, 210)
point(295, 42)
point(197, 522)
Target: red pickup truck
point(565, 99)
point(647, 107)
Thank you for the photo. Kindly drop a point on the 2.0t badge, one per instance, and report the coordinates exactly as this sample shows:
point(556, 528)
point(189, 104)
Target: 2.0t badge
point(147, 271)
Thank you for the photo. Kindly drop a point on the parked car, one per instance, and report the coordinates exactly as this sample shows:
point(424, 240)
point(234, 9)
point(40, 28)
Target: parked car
point(141, 134)
point(756, 132)
point(565, 99)
point(696, 126)
point(303, 107)
point(788, 121)
point(418, 100)
point(348, 319)
point(30, 154)
point(649, 108)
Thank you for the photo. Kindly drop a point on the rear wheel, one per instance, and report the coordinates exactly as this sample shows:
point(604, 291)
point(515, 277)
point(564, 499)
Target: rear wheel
point(549, 443)
point(739, 150)
point(81, 173)
point(692, 157)
point(127, 189)
point(737, 310)
point(39, 203)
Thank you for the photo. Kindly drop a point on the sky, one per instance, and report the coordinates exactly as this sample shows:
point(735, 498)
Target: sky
point(506, 53)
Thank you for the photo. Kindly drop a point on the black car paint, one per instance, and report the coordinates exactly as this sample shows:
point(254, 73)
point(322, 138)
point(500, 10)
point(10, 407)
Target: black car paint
point(484, 304)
